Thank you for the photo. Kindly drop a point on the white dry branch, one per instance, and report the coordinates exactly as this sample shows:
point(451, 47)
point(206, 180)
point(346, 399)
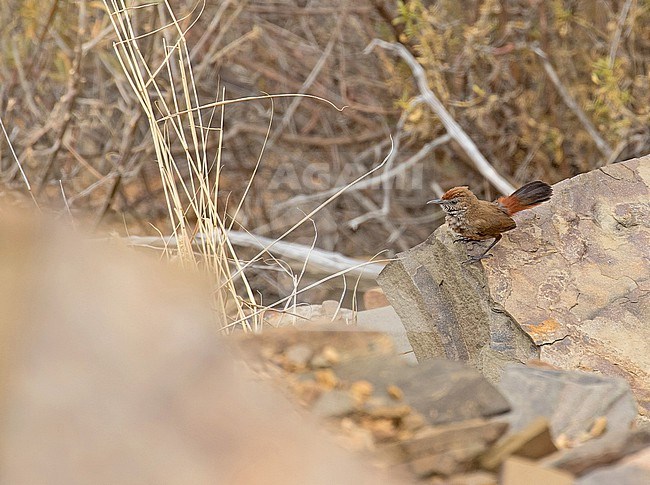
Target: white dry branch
point(319, 261)
point(453, 128)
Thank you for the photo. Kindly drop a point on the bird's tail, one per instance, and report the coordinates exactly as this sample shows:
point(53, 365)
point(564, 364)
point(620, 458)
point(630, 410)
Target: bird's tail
point(530, 195)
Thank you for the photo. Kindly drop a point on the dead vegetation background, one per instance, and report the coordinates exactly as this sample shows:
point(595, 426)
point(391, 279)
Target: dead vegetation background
point(546, 89)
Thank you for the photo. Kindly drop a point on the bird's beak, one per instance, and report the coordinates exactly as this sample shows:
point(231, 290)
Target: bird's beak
point(435, 201)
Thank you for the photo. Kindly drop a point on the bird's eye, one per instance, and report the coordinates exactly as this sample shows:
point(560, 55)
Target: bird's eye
point(453, 201)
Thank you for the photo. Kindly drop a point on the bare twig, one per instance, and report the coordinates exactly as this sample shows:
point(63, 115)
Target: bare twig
point(226, 102)
point(68, 100)
point(39, 43)
point(332, 197)
point(310, 79)
point(13, 153)
point(452, 127)
point(92, 187)
point(24, 82)
point(208, 33)
point(67, 206)
point(571, 103)
point(619, 30)
point(370, 182)
point(277, 9)
point(215, 40)
point(387, 187)
point(125, 152)
point(321, 141)
point(393, 231)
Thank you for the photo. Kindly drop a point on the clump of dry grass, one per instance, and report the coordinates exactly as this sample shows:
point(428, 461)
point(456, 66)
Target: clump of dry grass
point(177, 115)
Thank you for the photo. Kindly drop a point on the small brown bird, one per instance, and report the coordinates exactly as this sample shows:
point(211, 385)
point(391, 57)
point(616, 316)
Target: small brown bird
point(477, 220)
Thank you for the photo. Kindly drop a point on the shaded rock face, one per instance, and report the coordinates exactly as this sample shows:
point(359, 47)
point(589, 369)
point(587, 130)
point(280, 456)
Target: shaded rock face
point(447, 310)
point(575, 274)
point(570, 284)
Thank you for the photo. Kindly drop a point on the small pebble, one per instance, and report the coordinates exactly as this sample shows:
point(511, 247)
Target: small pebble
point(298, 356)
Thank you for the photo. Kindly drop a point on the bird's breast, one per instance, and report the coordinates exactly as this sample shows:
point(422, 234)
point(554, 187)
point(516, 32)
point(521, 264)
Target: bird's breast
point(459, 224)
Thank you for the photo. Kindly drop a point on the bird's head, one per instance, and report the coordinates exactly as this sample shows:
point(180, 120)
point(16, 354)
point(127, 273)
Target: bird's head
point(456, 200)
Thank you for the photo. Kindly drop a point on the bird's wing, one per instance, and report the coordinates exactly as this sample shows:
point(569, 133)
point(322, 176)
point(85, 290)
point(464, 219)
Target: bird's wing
point(493, 222)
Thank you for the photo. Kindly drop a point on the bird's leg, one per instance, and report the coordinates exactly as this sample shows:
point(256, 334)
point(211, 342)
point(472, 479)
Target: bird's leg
point(474, 259)
point(464, 239)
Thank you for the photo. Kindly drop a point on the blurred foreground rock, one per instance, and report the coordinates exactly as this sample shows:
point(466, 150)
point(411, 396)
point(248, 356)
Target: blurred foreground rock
point(632, 470)
point(573, 402)
point(570, 285)
point(442, 421)
point(386, 320)
point(434, 418)
point(328, 312)
point(111, 372)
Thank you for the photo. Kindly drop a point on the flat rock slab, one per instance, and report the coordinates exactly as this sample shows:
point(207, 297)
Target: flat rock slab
point(571, 400)
point(448, 437)
point(598, 453)
point(632, 470)
point(386, 319)
point(575, 403)
point(519, 471)
point(532, 442)
point(575, 274)
point(448, 449)
point(440, 390)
